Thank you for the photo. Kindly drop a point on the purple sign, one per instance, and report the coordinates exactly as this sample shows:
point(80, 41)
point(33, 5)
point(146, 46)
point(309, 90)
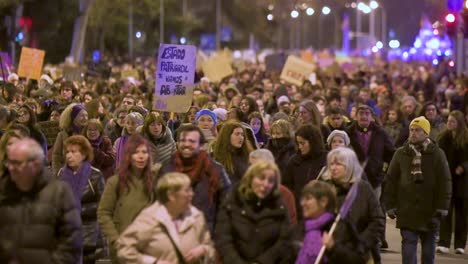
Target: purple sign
point(454, 5)
point(5, 65)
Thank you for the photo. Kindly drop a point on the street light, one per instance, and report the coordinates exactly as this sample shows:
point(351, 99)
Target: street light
point(326, 10)
point(374, 4)
point(294, 14)
point(310, 11)
point(270, 17)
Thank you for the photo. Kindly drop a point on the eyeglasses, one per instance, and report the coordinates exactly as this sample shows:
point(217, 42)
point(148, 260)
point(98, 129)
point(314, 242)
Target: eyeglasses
point(15, 163)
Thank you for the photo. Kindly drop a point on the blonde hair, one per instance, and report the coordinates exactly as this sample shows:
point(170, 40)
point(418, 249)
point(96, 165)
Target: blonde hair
point(255, 170)
point(284, 127)
point(170, 183)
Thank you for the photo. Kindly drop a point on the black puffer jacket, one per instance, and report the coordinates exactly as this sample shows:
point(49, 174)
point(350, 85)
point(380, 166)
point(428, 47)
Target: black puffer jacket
point(44, 223)
point(282, 153)
point(253, 231)
point(92, 236)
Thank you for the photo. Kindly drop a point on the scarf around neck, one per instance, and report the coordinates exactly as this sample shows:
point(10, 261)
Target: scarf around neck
point(96, 143)
point(313, 238)
point(197, 167)
point(416, 171)
point(77, 181)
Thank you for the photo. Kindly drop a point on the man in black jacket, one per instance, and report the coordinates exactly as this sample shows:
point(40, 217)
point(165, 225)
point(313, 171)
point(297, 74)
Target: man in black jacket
point(38, 213)
point(418, 192)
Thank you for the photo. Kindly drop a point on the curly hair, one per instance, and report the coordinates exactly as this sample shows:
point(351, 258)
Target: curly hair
point(85, 147)
point(125, 168)
point(223, 149)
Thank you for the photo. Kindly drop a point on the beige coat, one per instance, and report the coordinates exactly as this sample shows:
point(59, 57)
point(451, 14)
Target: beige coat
point(145, 240)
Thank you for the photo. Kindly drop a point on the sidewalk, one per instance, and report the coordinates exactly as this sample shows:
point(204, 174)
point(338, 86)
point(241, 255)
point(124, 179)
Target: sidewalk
point(393, 254)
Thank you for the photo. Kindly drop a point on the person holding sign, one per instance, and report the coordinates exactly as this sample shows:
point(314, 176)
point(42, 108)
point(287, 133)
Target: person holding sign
point(357, 233)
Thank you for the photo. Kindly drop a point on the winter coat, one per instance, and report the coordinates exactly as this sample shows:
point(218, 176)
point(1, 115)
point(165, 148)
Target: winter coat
point(58, 154)
point(360, 230)
point(104, 158)
point(266, 221)
point(92, 237)
point(380, 150)
point(147, 240)
point(437, 126)
point(282, 154)
point(40, 138)
point(456, 156)
point(201, 199)
point(417, 203)
point(162, 149)
point(397, 131)
point(117, 210)
point(43, 224)
point(301, 170)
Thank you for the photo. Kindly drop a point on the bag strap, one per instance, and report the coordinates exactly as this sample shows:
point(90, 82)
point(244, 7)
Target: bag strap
point(179, 254)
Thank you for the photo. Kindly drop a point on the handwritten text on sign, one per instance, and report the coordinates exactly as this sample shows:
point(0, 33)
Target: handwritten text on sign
point(175, 77)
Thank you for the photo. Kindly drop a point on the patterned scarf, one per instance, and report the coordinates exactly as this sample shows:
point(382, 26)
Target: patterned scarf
point(313, 239)
point(77, 181)
point(199, 166)
point(416, 171)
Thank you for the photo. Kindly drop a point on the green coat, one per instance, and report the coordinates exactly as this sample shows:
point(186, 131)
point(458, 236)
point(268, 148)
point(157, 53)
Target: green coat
point(117, 210)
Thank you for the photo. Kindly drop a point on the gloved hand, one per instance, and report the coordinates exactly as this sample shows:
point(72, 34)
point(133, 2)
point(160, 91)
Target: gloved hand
point(392, 213)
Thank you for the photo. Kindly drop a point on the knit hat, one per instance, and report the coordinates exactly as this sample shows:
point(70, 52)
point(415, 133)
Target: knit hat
point(220, 113)
point(338, 133)
point(47, 78)
point(423, 123)
point(76, 110)
point(206, 112)
point(282, 99)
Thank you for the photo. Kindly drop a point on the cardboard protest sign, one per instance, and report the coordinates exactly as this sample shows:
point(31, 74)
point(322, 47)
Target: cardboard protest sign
point(307, 56)
point(216, 68)
point(275, 62)
point(30, 65)
point(175, 77)
point(130, 73)
point(5, 65)
point(295, 70)
point(72, 73)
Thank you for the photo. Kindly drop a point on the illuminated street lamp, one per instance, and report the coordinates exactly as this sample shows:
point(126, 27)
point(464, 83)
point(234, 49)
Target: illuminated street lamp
point(310, 11)
point(294, 14)
point(326, 10)
point(374, 5)
point(270, 17)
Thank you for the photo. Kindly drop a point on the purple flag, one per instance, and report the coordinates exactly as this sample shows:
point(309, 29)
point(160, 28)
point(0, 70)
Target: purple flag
point(349, 200)
point(5, 65)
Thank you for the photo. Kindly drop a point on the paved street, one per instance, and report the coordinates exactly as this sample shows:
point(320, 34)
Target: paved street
point(393, 254)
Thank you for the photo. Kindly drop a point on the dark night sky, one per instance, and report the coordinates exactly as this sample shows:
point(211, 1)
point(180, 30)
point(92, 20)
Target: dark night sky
point(404, 16)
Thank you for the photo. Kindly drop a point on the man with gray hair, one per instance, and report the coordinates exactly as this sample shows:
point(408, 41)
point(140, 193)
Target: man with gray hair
point(38, 213)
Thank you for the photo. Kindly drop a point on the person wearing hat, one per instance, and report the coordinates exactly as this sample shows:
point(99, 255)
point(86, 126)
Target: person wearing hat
point(375, 147)
point(338, 138)
point(418, 191)
point(72, 121)
point(206, 120)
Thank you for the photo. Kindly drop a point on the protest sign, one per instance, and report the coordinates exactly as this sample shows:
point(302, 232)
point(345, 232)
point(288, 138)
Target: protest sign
point(5, 65)
point(216, 68)
point(175, 78)
point(130, 73)
point(307, 56)
point(72, 73)
point(30, 65)
point(295, 70)
point(275, 62)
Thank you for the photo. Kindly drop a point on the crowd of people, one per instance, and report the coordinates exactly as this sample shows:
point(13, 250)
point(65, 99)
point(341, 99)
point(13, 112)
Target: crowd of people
point(255, 171)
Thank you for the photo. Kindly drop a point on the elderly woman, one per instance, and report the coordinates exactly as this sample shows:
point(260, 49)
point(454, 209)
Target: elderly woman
point(128, 192)
point(87, 184)
point(361, 228)
point(104, 155)
point(72, 121)
point(132, 122)
point(232, 149)
point(162, 145)
point(171, 230)
point(254, 209)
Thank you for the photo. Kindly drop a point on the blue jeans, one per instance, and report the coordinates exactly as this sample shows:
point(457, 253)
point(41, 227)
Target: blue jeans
point(409, 244)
